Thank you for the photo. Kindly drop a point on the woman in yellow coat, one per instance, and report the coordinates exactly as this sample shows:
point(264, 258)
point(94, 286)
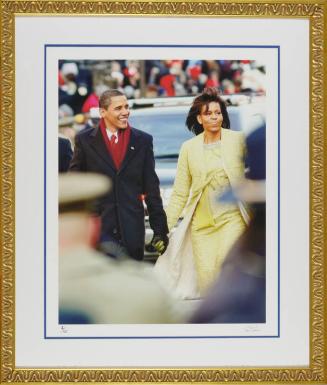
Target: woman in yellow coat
point(208, 164)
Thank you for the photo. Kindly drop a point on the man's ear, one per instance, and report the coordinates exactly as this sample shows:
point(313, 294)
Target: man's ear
point(102, 112)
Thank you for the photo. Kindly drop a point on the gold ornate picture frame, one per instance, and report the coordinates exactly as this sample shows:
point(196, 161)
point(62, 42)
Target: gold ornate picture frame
point(12, 183)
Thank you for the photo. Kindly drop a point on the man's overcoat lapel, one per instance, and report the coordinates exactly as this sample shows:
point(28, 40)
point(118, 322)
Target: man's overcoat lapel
point(98, 144)
point(132, 148)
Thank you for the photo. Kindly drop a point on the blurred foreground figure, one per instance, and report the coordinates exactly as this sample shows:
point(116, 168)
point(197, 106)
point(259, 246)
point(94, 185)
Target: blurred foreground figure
point(239, 294)
point(93, 288)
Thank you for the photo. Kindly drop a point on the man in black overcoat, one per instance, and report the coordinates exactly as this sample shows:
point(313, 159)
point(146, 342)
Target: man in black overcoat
point(125, 155)
point(65, 154)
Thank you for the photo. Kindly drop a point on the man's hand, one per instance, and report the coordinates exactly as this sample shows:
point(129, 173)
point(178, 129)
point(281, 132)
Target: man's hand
point(160, 243)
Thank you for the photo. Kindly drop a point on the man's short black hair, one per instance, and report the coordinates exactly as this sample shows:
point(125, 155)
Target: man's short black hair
point(105, 98)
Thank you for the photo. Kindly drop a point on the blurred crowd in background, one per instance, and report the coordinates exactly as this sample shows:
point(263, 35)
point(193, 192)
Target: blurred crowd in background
point(81, 82)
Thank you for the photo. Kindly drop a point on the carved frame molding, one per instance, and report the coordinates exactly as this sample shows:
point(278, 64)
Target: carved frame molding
point(316, 13)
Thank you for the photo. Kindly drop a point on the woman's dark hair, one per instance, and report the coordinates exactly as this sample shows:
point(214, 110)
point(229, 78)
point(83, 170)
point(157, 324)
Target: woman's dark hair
point(208, 95)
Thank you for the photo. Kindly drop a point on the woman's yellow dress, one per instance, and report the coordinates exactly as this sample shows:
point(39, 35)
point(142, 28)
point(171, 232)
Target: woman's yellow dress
point(215, 226)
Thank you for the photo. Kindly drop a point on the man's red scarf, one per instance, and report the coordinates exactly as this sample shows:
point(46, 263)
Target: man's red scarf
point(117, 150)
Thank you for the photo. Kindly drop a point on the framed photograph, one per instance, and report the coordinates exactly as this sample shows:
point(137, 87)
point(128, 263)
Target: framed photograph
point(274, 54)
